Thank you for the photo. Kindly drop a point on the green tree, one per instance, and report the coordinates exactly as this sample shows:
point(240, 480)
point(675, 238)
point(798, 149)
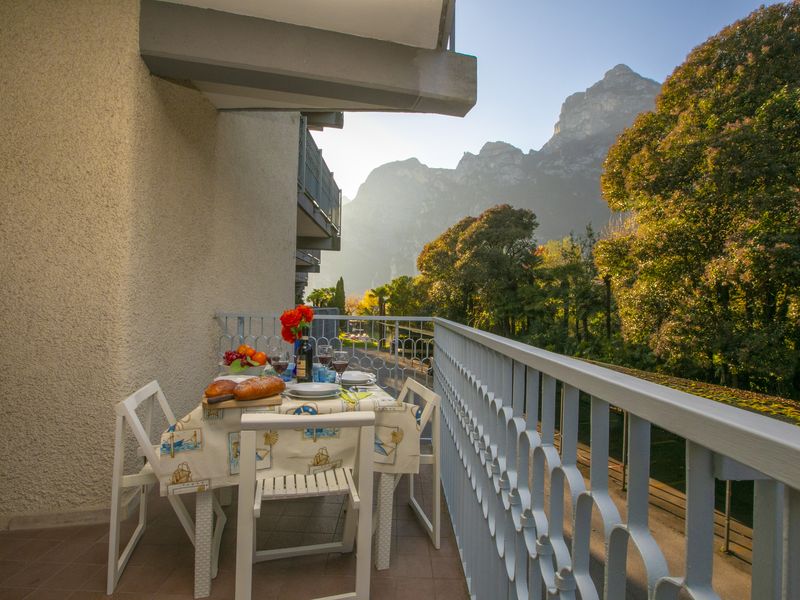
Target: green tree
point(706, 271)
point(473, 271)
point(564, 302)
point(404, 296)
point(339, 297)
point(496, 256)
point(322, 297)
point(381, 294)
point(448, 295)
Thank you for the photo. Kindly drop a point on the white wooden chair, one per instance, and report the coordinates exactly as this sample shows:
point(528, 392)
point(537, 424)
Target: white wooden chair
point(430, 407)
point(356, 484)
point(148, 476)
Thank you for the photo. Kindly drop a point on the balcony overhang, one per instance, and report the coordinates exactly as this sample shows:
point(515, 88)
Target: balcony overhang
point(246, 62)
point(311, 221)
point(305, 262)
point(318, 121)
point(319, 243)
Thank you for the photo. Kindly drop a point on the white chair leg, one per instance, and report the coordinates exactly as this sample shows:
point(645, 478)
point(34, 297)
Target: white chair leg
point(431, 524)
point(365, 485)
point(116, 489)
point(245, 525)
point(437, 476)
point(117, 561)
point(350, 522)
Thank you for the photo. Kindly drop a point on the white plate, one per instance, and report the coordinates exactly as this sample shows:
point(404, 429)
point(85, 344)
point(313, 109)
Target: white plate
point(305, 398)
point(313, 390)
point(357, 377)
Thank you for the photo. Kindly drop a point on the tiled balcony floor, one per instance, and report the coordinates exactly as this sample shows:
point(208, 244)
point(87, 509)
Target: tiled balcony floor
point(71, 562)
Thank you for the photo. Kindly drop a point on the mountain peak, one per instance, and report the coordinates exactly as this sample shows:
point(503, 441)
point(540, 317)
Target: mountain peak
point(500, 158)
point(605, 108)
point(494, 148)
point(620, 69)
point(561, 184)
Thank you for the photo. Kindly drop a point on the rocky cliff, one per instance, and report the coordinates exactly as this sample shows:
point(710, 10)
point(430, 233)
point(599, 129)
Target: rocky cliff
point(405, 204)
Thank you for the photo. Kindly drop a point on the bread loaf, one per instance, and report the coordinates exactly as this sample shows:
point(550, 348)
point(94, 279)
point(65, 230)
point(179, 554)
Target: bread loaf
point(220, 387)
point(259, 387)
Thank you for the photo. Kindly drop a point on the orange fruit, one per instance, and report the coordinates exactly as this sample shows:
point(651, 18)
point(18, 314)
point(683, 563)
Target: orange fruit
point(260, 358)
point(246, 350)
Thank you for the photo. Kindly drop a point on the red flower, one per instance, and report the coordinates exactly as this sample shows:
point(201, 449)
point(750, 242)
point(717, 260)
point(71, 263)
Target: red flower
point(306, 312)
point(291, 318)
point(287, 334)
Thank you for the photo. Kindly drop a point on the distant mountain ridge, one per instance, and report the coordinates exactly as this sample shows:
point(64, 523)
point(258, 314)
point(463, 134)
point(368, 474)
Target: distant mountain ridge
point(405, 204)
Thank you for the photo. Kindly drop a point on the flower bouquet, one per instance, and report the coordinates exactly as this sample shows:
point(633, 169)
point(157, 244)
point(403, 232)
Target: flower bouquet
point(294, 321)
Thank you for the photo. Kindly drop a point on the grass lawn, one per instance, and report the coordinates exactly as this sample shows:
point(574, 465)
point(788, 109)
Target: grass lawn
point(772, 406)
point(348, 343)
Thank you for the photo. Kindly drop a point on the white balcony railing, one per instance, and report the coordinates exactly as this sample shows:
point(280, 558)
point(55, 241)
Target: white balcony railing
point(521, 508)
point(502, 464)
point(391, 347)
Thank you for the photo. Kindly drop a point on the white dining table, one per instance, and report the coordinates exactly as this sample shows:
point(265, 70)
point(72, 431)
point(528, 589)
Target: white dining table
point(201, 454)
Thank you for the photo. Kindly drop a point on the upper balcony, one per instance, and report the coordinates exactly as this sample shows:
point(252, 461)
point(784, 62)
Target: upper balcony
point(307, 261)
point(319, 199)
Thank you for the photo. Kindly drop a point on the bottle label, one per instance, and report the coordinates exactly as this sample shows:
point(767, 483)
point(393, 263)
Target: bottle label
point(302, 367)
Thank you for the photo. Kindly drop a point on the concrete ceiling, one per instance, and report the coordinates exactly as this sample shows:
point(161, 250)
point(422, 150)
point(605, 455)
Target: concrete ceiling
point(311, 55)
point(410, 22)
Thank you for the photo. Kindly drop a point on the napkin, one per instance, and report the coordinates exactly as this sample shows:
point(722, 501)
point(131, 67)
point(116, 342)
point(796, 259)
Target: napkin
point(351, 397)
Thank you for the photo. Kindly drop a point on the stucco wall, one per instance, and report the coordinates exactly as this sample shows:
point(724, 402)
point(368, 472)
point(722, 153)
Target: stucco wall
point(130, 210)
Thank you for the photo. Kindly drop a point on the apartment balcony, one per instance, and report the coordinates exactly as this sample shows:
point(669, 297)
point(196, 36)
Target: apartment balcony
point(548, 474)
point(307, 261)
point(319, 199)
point(549, 467)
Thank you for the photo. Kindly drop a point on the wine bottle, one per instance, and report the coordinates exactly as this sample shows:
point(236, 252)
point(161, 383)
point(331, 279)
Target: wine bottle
point(305, 360)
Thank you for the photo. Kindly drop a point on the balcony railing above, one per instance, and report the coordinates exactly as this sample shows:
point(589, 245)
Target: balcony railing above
point(318, 194)
point(307, 261)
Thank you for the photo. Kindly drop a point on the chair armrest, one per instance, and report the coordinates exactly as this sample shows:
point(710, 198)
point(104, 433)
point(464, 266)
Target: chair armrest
point(257, 421)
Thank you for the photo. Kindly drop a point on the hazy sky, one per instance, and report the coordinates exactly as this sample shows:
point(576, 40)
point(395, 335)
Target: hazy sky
point(531, 55)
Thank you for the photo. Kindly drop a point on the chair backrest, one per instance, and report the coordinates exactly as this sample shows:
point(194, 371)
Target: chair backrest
point(431, 399)
point(364, 420)
point(126, 409)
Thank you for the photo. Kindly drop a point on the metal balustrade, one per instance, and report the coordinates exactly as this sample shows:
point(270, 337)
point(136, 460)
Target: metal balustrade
point(393, 348)
point(509, 480)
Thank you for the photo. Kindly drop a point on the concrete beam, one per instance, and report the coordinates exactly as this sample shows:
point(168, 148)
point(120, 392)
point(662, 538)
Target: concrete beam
point(307, 268)
point(315, 243)
point(317, 121)
point(334, 71)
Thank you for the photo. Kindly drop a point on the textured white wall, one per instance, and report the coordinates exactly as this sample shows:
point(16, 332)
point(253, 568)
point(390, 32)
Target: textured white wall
point(130, 210)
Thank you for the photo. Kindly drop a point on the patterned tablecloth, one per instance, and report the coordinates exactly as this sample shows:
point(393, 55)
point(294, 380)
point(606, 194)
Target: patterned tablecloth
point(202, 450)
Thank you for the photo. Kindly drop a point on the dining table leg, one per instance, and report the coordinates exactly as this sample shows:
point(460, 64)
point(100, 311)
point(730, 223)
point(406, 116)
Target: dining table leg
point(383, 533)
point(203, 534)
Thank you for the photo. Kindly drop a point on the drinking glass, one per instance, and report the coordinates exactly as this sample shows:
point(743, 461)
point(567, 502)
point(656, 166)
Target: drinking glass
point(325, 354)
point(272, 351)
point(340, 361)
point(279, 360)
